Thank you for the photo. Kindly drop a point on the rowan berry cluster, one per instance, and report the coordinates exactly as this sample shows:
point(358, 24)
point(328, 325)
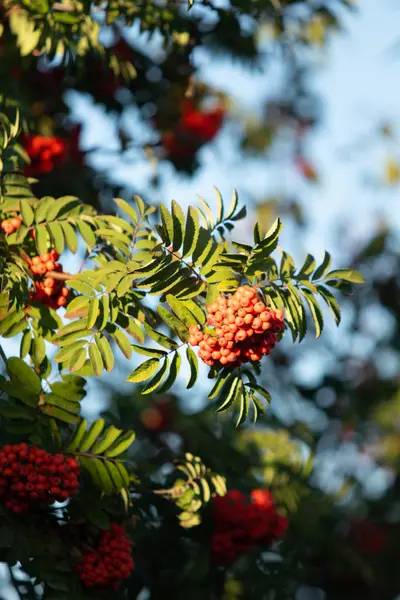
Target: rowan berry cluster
point(240, 524)
point(110, 563)
point(11, 225)
point(245, 329)
point(49, 291)
point(29, 475)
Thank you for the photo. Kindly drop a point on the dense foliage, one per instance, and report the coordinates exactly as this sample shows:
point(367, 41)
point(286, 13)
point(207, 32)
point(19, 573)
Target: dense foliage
point(146, 498)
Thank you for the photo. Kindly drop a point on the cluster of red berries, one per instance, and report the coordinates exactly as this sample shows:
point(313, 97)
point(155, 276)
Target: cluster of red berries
point(240, 524)
point(110, 563)
point(48, 152)
point(49, 291)
point(11, 225)
point(29, 474)
point(245, 329)
point(195, 128)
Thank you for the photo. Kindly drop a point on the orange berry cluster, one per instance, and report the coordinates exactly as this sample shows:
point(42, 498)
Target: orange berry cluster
point(245, 329)
point(29, 474)
point(110, 563)
point(11, 225)
point(48, 291)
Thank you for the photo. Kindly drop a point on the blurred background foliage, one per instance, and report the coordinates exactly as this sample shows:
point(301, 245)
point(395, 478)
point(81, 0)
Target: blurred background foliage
point(329, 446)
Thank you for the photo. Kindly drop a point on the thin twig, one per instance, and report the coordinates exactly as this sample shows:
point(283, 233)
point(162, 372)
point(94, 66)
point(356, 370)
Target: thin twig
point(3, 356)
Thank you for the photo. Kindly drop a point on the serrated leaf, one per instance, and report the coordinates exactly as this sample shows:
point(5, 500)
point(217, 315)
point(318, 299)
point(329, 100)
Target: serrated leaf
point(26, 212)
point(42, 207)
point(78, 436)
point(307, 268)
point(93, 312)
point(160, 338)
point(70, 237)
point(173, 322)
point(128, 210)
point(178, 220)
point(145, 351)
point(222, 378)
point(26, 341)
point(349, 275)
point(65, 353)
point(106, 352)
point(111, 434)
point(231, 395)
point(157, 379)
point(57, 236)
point(91, 435)
point(331, 301)
point(301, 315)
point(172, 375)
point(260, 391)
point(78, 325)
point(41, 239)
point(96, 359)
point(122, 342)
point(104, 312)
point(287, 267)
point(167, 225)
point(220, 206)
point(194, 367)
point(86, 233)
point(207, 212)
point(21, 371)
point(233, 206)
point(191, 232)
point(143, 371)
point(77, 360)
point(58, 413)
point(323, 267)
point(181, 311)
point(121, 445)
point(76, 305)
point(203, 246)
point(315, 310)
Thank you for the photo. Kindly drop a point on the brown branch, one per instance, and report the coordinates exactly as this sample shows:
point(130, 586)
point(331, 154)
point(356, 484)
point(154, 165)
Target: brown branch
point(60, 276)
point(3, 355)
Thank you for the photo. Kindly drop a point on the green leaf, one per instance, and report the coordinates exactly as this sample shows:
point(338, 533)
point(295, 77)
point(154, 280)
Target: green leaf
point(81, 286)
point(157, 379)
point(54, 400)
point(348, 275)
point(222, 379)
point(91, 435)
point(287, 267)
point(38, 350)
point(299, 308)
point(86, 232)
point(315, 310)
point(167, 225)
point(124, 474)
point(96, 359)
point(77, 360)
point(231, 395)
point(323, 267)
point(208, 213)
point(70, 237)
point(173, 322)
point(65, 353)
point(307, 268)
point(127, 209)
point(260, 391)
point(42, 207)
point(160, 338)
point(76, 305)
point(111, 434)
point(191, 232)
point(178, 219)
point(57, 236)
point(203, 246)
point(115, 476)
point(172, 375)
point(104, 311)
point(121, 445)
point(194, 366)
point(26, 341)
point(21, 371)
point(220, 206)
point(41, 239)
point(26, 212)
point(181, 311)
point(78, 436)
point(153, 352)
point(244, 406)
point(93, 312)
point(106, 352)
point(122, 342)
point(144, 371)
point(58, 413)
point(331, 301)
point(104, 476)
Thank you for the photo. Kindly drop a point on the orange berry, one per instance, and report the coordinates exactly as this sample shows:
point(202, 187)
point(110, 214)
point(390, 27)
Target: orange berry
point(193, 329)
point(231, 357)
point(218, 317)
point(48, 291)
point(50, 265)
point(240, 336)
point(257, 323)
point(225, 352)
point(249, 293)
point(16, 222)
point(266, 325)
point(45, 257)
point(218, 331)
point(245, 302)
point(49, 282)
point(192, 340)
point(57, 267)
point(54, 255)
point(216, 355)
point(61, 301)
point(64, 292)
point(222, 341)
point(223, 360)
point(41, 269)
point(265, 316)
point(239, 322)
point(4, 225)
point(249, 332)
point(248, 318)
point(259, 307)
point(233, 328)
point(279, 314)
point(36, 260)
point(241, 312)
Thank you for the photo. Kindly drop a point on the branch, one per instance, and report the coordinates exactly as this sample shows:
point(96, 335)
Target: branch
point(60, 276)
